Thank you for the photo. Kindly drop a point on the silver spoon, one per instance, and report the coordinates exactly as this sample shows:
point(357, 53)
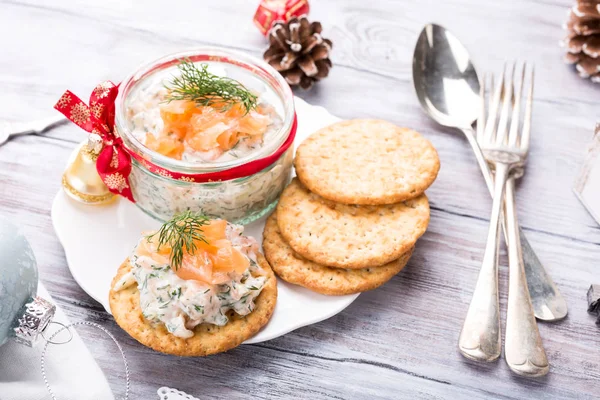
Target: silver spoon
point(448, 89)
point(10, 129)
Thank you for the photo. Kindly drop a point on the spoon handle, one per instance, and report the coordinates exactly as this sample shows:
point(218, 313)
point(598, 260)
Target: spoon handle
point(480, 336)
point(548, 303)
point(524, 351)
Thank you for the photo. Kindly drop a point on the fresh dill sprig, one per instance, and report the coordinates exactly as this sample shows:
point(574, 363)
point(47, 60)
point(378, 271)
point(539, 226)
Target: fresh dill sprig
point(197, 84)
point(181, 233)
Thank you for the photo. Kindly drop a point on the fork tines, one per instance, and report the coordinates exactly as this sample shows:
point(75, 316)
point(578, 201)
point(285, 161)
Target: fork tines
point(502, 125)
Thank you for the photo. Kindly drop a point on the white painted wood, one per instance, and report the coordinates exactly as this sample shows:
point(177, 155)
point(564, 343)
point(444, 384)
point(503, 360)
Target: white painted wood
point(393, 343)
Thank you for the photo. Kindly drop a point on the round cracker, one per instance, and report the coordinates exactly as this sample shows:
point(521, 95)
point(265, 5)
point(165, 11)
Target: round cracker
point(208, 338)
point(366, 161)
point(349, 236)
point(293, 268)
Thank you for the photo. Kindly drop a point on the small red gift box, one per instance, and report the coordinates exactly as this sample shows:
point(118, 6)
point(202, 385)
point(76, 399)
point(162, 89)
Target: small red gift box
point(270, 11)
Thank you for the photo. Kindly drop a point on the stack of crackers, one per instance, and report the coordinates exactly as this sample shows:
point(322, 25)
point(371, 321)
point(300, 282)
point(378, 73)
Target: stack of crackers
point(350, 220)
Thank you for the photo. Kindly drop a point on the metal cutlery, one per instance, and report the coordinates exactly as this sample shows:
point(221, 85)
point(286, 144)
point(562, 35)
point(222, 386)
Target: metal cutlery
point(524, 352)
point(480, 336)
point(448, 88)
point(11, 129)
point(505, 143)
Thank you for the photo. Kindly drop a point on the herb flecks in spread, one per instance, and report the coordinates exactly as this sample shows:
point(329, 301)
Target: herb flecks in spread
point(215, 271)
point(199, 116)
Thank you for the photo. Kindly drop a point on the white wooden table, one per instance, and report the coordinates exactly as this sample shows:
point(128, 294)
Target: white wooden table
point(393, 343)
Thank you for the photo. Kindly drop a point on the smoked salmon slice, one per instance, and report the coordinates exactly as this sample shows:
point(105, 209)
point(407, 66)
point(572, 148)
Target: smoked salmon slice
point(206, 128)
point(212, 261)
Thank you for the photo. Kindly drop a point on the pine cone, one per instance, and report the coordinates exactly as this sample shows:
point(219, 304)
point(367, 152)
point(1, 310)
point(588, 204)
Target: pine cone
point(583, 39)
point(298, 51)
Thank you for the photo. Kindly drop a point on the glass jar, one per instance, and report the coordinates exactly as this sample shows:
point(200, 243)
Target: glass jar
point(241, 200)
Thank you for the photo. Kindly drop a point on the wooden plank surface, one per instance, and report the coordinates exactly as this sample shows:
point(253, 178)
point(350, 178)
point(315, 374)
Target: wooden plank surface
point(393, 343)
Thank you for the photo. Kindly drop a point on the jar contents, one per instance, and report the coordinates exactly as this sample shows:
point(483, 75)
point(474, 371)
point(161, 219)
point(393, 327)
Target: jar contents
point(199, 116)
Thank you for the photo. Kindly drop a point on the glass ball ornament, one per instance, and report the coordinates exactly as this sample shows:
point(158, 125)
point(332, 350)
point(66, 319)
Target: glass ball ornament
point(22, 315)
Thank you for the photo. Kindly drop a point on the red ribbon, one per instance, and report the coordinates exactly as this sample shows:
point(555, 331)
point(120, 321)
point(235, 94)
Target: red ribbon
point(270, 11)
point(114, 160)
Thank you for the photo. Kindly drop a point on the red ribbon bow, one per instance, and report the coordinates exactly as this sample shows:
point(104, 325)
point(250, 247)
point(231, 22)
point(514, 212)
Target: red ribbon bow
point(114, 162)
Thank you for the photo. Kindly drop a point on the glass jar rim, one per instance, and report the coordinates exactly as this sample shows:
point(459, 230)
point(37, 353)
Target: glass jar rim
point(261, 69)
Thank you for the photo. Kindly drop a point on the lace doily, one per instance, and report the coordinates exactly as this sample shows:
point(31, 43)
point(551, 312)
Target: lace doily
point(165, 393)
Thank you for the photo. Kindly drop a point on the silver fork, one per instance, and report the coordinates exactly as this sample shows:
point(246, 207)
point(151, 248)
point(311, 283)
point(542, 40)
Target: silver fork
point(10, 129)
point(524, 351)
point(506, 151)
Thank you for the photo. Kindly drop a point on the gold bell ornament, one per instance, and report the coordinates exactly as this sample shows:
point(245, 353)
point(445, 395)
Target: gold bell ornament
point(81, 180)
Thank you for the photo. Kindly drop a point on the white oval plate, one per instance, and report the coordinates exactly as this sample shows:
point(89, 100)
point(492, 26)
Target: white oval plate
point(97, 239)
